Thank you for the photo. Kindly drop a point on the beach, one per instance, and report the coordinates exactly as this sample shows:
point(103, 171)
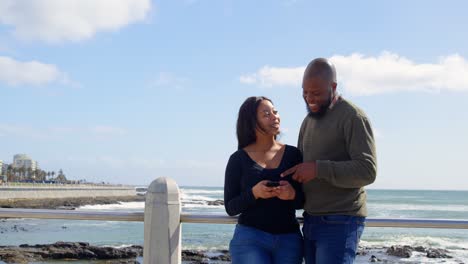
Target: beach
point(382, 245)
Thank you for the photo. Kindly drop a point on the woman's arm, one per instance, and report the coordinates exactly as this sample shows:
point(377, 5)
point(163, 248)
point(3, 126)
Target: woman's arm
point(236, 200)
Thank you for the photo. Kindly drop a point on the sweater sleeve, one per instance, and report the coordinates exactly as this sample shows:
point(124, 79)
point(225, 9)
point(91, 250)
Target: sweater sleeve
point(361, 169)
point(236, 200)
point(299, 199)
point(300, 137)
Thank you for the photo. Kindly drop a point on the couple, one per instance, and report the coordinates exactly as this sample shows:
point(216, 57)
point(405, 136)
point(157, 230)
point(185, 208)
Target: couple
point(266, 181)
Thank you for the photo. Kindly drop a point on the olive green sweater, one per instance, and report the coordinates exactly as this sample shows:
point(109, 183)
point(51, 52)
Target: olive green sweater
point(342, 143)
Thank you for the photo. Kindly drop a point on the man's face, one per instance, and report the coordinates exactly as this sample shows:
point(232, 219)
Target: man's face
point(317, 93)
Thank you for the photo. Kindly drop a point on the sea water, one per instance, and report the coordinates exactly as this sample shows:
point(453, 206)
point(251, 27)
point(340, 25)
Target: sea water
point(213, 237)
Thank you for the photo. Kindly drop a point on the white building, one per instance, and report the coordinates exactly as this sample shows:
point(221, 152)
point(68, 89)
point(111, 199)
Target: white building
point(23, 161)
point(1, 167)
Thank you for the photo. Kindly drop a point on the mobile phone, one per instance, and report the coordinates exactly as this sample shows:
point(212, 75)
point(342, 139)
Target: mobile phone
point(272, 184)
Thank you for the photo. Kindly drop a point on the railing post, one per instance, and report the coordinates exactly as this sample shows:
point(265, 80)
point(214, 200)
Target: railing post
point(162, 231)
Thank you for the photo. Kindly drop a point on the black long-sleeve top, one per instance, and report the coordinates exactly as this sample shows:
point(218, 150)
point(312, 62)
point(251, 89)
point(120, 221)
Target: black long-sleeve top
point(271, 215)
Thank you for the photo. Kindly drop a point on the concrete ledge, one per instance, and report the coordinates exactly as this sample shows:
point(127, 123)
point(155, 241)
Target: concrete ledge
point(63, 191)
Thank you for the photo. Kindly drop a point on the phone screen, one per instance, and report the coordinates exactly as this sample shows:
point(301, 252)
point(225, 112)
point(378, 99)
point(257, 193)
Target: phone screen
point(272, 184)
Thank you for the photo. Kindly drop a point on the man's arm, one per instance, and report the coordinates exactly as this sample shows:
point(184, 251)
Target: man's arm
point(361, 169)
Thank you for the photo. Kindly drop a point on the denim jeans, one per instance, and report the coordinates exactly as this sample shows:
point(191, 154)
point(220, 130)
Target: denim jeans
point(251, 245)
point(331, 239)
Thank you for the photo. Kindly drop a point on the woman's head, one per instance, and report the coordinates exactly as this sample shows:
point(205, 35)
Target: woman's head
point(256, 115)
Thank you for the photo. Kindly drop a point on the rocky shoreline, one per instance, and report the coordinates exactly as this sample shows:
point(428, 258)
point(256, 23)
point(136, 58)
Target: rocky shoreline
point(65, 251)
point(66, 203)
point(68, 251)
point(129, 254)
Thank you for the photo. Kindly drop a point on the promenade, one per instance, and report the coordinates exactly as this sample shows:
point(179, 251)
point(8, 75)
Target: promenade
point(44, 191)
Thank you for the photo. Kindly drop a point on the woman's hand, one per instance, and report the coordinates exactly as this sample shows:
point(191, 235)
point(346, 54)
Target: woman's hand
point(260, 190)
point(285, 191)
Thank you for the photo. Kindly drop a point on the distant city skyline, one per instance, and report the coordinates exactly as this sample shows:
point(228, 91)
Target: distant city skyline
point(127, 91)
point(21, 160)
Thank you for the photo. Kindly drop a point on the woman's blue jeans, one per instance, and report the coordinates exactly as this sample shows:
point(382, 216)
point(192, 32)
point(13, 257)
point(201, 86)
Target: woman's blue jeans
point(331, 238)
point(251, 245)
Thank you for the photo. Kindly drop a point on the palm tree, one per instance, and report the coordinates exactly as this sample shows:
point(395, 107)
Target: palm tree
point(15, 173)
point(10, 174)
point(29, 172)
point(22, 171)
point(61, 177)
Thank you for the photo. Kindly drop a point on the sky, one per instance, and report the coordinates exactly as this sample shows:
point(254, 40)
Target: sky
point(126, 91)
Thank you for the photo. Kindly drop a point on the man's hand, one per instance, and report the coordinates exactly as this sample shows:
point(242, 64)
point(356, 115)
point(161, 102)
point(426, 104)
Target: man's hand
point(260, 190)
point(285, 191)
point(302, 172)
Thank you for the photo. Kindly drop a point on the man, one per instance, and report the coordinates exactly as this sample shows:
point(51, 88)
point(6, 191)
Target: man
point(338, 150)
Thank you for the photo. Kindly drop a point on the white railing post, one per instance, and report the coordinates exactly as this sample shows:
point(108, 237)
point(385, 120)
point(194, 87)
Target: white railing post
point(162, 231)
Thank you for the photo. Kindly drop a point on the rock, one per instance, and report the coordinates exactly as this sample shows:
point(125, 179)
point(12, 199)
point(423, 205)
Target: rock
point(437, 253)
point(68, 250)
point(202, 257)
point(400, 251)
point(420, 249)
point(374, 259)
point(216, 202)
point(362, 251)
point(65, 208)
point(223, 256)
point(122, 262)
point(13, 257)
point(191, 255)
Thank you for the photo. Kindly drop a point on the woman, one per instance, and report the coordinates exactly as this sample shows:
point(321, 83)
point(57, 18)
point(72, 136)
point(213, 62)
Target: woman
point(267, 229)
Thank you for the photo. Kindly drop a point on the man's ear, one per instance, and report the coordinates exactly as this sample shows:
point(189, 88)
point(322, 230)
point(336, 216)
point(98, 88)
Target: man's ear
point(334, 85)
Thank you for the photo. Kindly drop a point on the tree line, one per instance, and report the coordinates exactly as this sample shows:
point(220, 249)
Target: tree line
point(23, 174)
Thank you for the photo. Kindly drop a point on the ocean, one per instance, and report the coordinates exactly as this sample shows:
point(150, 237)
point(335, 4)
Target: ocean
point(213, 237)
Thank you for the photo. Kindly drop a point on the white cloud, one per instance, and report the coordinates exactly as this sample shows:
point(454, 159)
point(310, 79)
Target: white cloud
point(168, 80)
point(15, 72)
point(274, 76)
point(388, 72)
point(61, 20)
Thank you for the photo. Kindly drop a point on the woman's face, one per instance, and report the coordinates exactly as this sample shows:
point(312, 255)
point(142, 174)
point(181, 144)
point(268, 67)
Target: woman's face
point(268, 119)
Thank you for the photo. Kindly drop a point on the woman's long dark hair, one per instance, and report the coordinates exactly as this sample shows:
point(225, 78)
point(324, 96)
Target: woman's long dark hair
point(247, 121)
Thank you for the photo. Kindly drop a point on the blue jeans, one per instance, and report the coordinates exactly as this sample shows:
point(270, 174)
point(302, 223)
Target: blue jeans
point(331, 238)
point(251, 245)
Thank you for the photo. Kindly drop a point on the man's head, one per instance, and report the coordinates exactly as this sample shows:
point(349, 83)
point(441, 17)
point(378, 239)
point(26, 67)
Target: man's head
point(318, 86)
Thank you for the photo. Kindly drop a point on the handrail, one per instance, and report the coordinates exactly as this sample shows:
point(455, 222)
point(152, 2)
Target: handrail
point(212, 219)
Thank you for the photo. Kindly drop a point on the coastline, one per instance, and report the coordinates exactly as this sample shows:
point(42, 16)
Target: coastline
point(203, 241)
point(73, 251)
point(77, 251)
point(67, 203)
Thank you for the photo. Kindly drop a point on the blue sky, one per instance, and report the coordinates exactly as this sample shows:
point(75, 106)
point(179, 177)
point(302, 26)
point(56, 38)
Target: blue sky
point(125, 91)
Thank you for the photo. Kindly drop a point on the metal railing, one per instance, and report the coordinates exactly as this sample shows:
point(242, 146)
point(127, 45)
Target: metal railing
point(212, 219)
point(162, 220)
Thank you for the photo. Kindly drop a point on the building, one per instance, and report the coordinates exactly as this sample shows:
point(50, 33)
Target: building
point(4, 168)
point(24, 161)
point(1, 167)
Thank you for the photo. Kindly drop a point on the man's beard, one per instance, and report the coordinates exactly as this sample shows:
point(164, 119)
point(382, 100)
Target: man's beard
point(321, 112)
